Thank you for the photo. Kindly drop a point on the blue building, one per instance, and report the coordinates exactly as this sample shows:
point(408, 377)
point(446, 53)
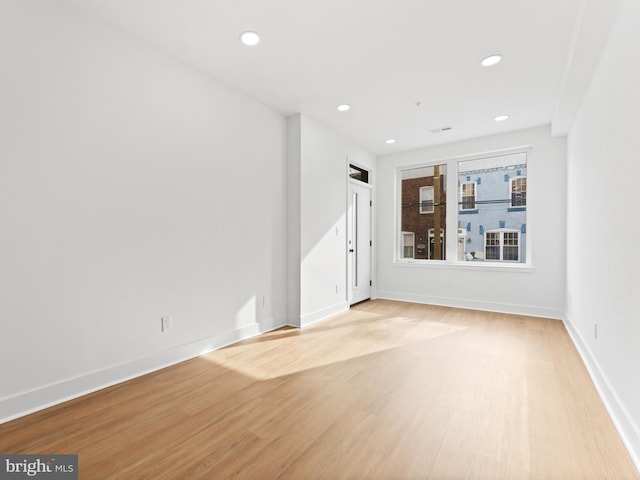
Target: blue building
point(492, 204)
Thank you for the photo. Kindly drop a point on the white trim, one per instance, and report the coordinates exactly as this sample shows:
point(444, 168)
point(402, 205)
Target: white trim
point(49, 395)
point(488, 266)
point(358, 182)
point(323, 313)
point(622, 419)
point(513, 309)
point(469, 156)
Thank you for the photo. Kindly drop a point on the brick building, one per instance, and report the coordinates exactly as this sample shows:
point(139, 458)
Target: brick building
point(424, 212)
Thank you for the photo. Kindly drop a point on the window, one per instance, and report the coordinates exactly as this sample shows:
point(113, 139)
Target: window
point(423, 209)
point(408, 240)
point(468, 196)
point(502, 245)
point(358, 173)
point(519, 191)
point(489, 210)
point(426, 200)
point(495, 188)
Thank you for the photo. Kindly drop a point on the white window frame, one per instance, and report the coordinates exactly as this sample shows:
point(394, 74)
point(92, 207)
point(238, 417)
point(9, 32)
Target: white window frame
point(513, 180)
point(403, 246)
point(431, 206)
point(456, 219)
point(475, 195)
point(501, 245)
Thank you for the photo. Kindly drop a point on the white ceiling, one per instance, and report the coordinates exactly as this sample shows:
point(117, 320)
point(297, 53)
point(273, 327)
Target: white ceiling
point(380, 56)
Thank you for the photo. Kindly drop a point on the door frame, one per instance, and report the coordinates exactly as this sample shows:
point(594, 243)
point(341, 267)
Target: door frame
point(349, 273)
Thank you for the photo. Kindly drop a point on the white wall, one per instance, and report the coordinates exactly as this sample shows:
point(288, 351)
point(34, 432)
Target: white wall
point(131, 187)
point(539, 290)
point(602, 266)
point(323, 158)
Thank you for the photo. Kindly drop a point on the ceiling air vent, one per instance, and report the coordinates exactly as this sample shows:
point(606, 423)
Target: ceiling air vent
point(441, 129)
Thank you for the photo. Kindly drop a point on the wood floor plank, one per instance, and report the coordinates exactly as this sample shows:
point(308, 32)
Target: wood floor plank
point(388, 390)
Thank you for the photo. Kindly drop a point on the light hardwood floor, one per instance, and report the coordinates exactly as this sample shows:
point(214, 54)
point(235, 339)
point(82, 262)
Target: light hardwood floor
point(388, 390)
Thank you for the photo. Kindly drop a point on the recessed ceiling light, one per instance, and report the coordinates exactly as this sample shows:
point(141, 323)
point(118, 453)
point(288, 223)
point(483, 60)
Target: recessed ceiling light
point(344, 107)
point(501, 118)
point(491, 60)
point(390, 141)
point(250, 38)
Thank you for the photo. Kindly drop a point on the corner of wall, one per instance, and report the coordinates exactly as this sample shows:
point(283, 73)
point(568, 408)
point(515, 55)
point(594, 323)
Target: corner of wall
point(294, 158)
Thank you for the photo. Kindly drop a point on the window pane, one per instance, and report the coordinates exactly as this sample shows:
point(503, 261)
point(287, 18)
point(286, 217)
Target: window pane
point(426, 200)
point(424, 209)
point(510, 253)
point(492, 195)
point(359, 174)
point(511, 238)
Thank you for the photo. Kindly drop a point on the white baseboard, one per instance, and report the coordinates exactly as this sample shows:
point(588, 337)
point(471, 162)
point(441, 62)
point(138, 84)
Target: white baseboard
point(49, 395)
point(627, 428)
point(313, 317)
point(514, 309)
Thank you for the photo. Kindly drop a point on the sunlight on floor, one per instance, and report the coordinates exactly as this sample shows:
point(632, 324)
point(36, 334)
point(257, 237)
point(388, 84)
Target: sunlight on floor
point(312, 347)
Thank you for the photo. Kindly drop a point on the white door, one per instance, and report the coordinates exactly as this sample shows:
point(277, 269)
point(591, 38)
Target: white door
point(359, 242)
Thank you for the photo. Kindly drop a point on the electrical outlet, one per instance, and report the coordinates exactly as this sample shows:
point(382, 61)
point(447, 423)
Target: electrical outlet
point(595, 330)
point(448, 284)
point(166, 323)
point(337, 288)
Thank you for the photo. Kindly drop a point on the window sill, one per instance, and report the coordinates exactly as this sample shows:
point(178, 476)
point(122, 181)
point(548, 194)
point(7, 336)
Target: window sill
point(517, 209)
point(482, 266)
point(468, 212)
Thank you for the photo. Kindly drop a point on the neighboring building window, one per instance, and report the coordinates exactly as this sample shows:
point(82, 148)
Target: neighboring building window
point(519, 191)
point(424, 197)
point(408, 241)
point(426, 200)
point(502, 245)
point(468, 196)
